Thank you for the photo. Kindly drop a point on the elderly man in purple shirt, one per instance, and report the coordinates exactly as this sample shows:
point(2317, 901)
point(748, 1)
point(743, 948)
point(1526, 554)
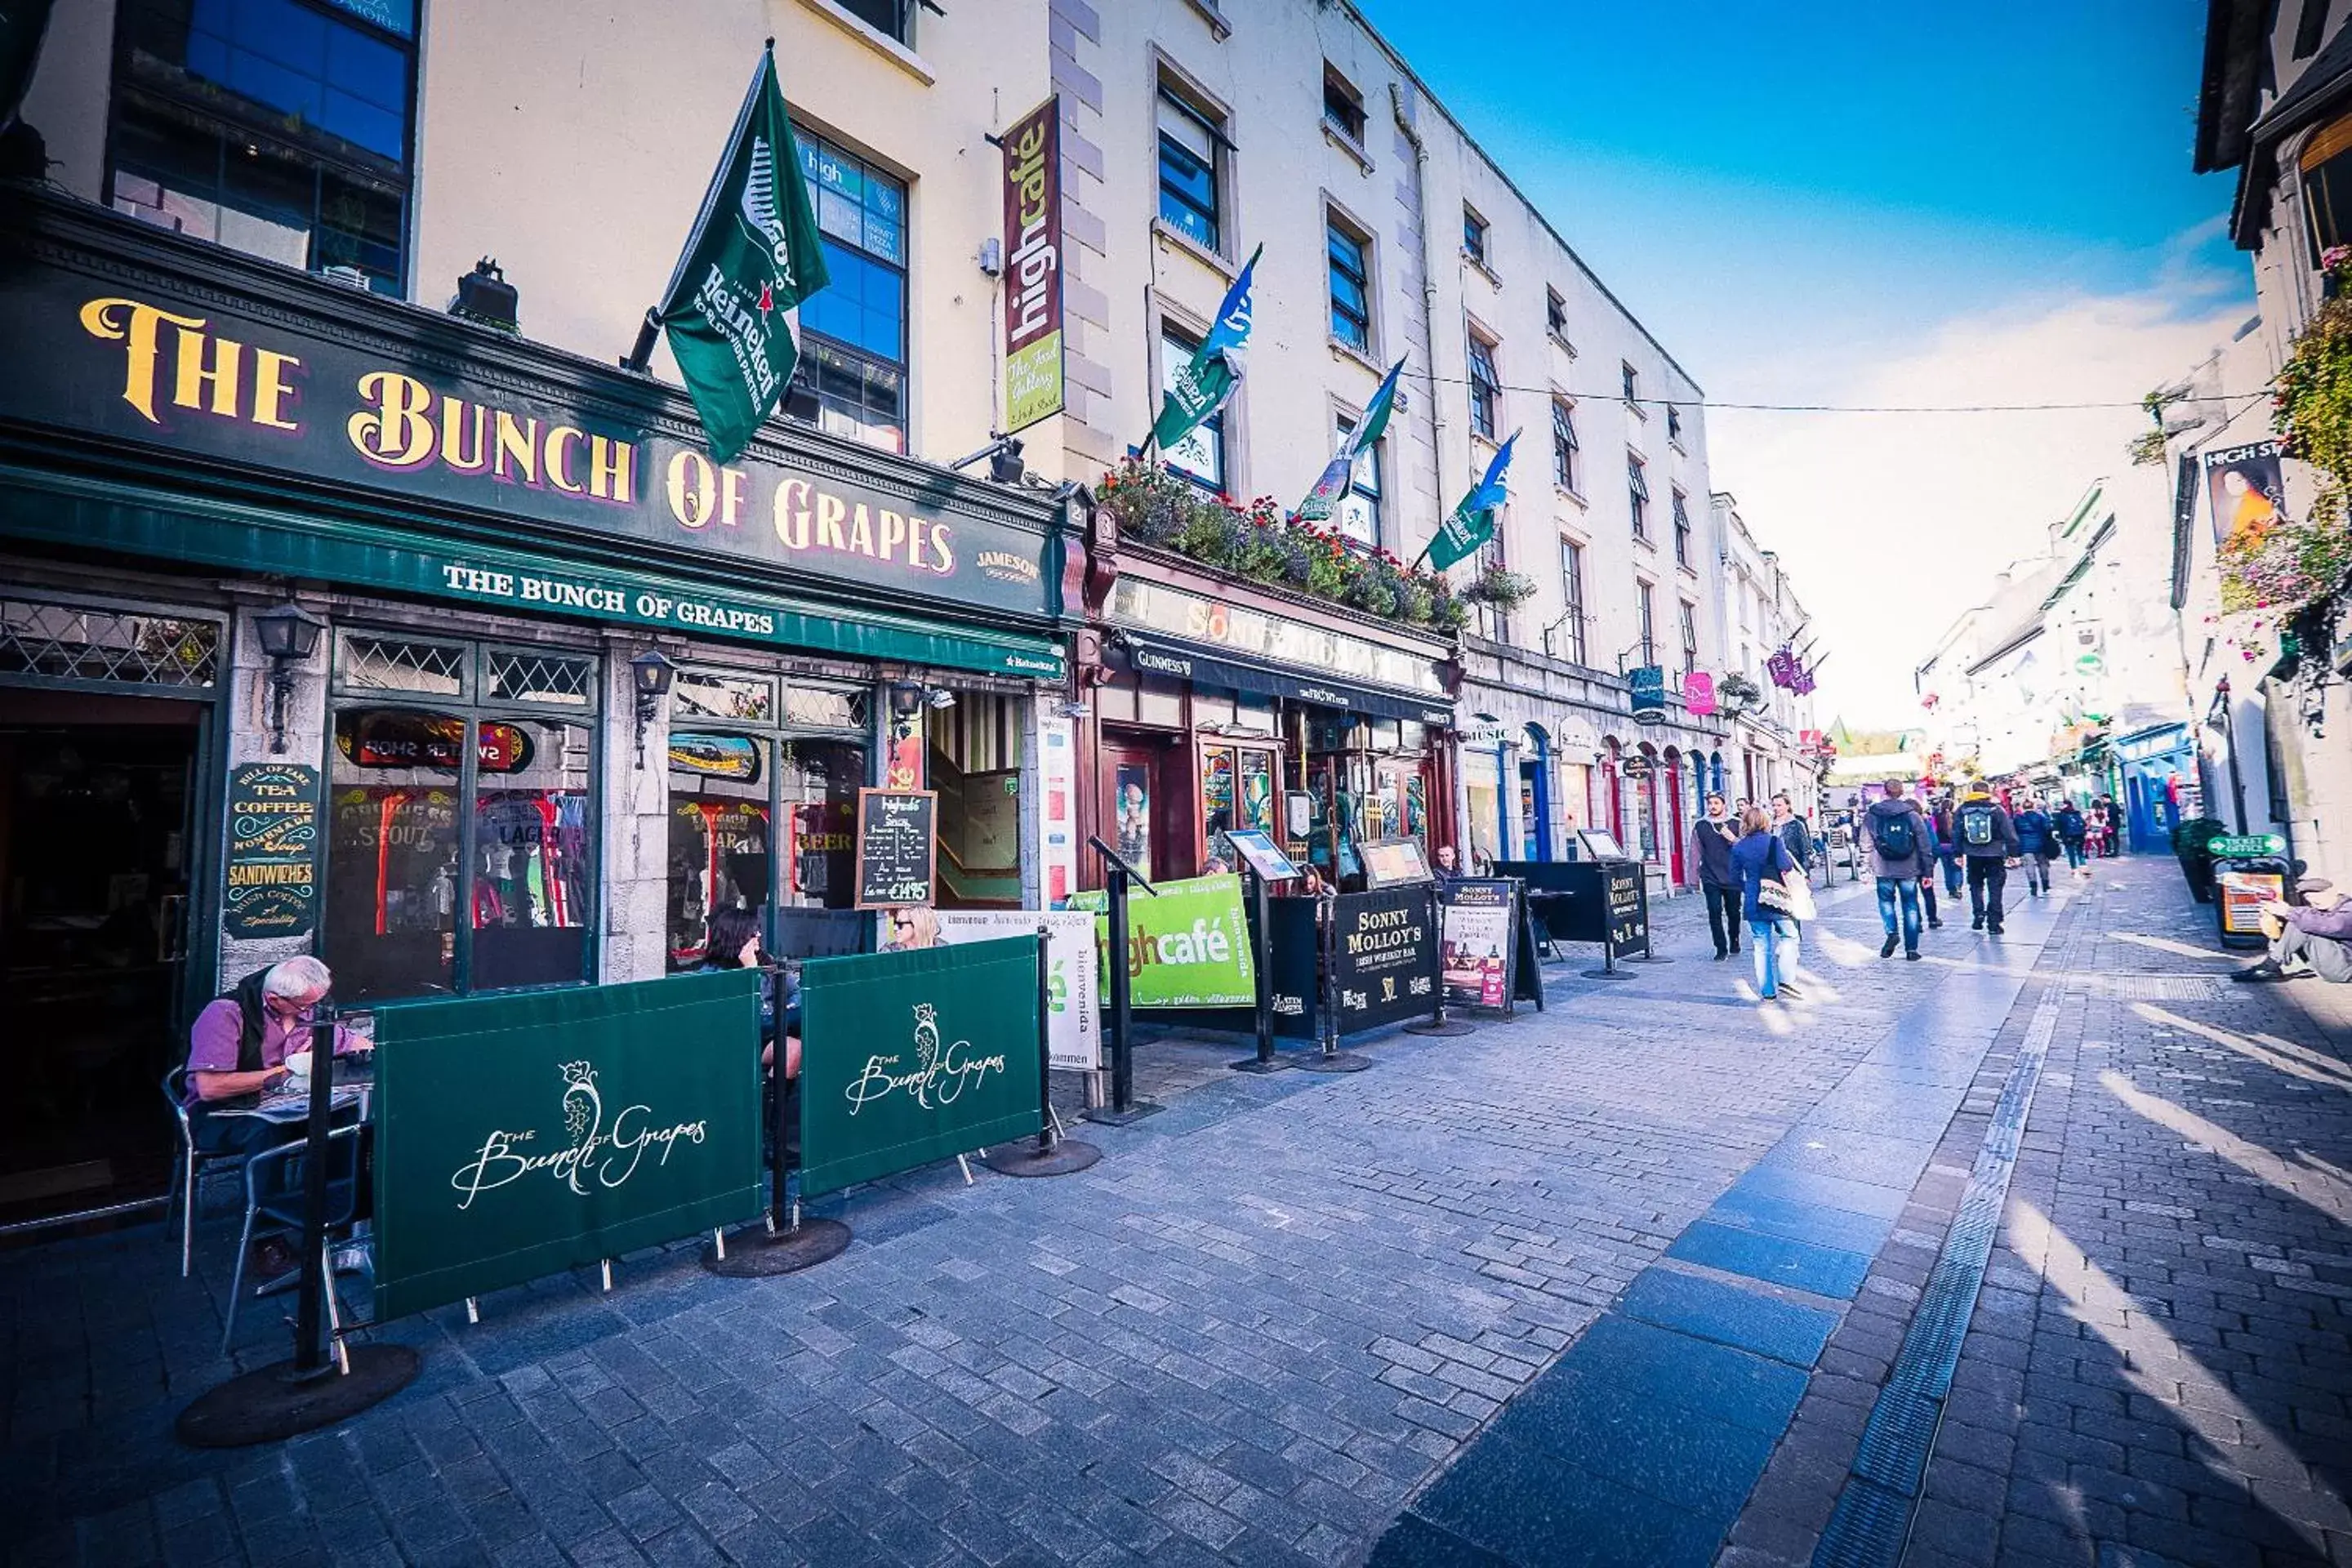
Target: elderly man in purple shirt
point(2315, 936)
point(238, 1045)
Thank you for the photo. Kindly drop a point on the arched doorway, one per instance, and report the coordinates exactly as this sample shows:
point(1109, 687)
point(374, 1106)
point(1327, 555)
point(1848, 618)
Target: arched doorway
point(1535, 796)
point(1646, 836)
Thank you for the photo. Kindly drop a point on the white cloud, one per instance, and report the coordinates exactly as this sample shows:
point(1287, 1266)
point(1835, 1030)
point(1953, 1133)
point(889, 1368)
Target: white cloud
point(1892, 524)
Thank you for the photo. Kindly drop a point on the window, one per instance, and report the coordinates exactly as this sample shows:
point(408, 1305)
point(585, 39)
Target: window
point(1637, 487)
point(1486, 387)
point(1343, 106)
point(852, 378)
point(1352, 305)
point(892, 18)
point(1641, 598)
point(1632, 380)
point(1554, 314)
point(1359, 509)
point(2310, 27)
point(1572, 582)
point(1690, 636)
point(461, 778)
point(1474, 237)
point(279, 128)
point(1189, 138)
point(2327, 165)
point(1673, 425)
point(1200, 456)
point(1563, 445)
point(1682, 530)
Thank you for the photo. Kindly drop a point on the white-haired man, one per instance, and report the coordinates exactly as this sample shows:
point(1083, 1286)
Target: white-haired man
point(238, 1047)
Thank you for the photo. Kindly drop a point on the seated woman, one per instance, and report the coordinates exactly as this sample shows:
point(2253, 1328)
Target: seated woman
point(735, 944)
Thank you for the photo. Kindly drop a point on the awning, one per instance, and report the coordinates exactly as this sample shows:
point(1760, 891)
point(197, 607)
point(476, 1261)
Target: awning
point(1178, 661)
point(358, 555)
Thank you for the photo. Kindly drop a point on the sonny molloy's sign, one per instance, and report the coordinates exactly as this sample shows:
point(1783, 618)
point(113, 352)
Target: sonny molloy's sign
point(405, 409)
point(908, 1057)
point(519, 1135)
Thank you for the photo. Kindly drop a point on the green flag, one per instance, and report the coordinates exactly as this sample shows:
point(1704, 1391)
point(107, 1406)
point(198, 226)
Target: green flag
point(752, 258)
point(1204, 386)
point(1361, 438)
point(1472, 523)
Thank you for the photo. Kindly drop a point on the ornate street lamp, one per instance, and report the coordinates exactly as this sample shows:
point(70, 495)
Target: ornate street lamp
point(290, 635)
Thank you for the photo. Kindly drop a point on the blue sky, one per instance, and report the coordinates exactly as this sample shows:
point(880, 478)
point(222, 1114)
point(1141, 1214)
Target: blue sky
point(1854, 203)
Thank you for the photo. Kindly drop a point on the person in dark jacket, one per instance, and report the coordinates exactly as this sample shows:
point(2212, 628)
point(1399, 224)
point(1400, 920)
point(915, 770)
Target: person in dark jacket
point(1987, 840)
point(1902, 855)
point(2067, 822)
point(1794, 834)
point(2037, 844)
point(735, 944)
point(1760, 854)
point(1949, 852)
point(1711, 839)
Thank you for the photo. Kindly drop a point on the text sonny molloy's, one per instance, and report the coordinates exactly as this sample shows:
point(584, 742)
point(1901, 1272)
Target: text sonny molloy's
point(940, 1077)
point(607, 1158)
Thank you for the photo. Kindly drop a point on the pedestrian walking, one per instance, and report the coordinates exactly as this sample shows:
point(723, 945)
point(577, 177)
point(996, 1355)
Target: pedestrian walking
point(1794, 834)
point(1936, 847)
point(2103, 827)
point(1902, 857)
point(2072, 830)
point(1949, 847)
point(1711, 839)
point(1759, 858)
point(2037, 844)
point(1986, 841)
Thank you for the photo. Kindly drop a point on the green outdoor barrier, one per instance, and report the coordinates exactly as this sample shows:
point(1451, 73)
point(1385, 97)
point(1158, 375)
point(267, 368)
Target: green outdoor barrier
point(522, 1134)
point(908, 1058)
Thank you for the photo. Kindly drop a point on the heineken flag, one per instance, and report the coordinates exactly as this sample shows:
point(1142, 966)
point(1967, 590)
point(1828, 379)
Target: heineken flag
point(1341, 471)
point(1473, 523)
point(1203, 387)
point(752, 258)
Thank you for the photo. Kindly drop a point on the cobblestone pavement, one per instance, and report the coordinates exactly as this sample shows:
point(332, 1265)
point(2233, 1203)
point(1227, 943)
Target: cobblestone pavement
point(1275, 1313)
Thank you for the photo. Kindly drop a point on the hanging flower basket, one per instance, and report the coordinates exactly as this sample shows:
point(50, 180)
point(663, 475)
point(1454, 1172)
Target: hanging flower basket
point(1501, 588)
point(1735, 694)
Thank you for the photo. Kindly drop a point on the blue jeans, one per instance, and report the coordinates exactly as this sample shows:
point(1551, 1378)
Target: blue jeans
point(1776, 953)
point(1951, 875)
point(1907, 889)
point(2075, 856)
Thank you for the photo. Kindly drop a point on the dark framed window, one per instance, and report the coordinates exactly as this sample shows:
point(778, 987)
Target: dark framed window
point(2327, 165)
point(279, 128)
point(461, 781)
point(1190, 140)
point(1572, 582)
point(1647, 611)
point(852, 377)
point(1352, 271)
point(1637, 493)
point(1474, 237)
point(2310, 28)
point(1554, 314)
point(1564, 444)
point(1673, 425)
point(1359, 509)
point(1690, 636)
point(1682, 530)
point(893, 19)
point(1343, 106)
point(1200, 455)
point(1633, 382)
point(1486, 387)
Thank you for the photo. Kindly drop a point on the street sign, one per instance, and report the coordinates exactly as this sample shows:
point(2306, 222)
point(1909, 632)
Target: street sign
point(2245, 844)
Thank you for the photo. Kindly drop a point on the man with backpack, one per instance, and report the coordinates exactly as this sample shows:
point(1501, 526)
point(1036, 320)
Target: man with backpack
point(1712, 837)
point(2036, 844)
point(1987, 840)
point(1902, 851)
point(2072, 830)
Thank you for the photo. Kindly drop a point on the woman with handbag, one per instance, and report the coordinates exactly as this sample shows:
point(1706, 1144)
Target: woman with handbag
point(1777, 899)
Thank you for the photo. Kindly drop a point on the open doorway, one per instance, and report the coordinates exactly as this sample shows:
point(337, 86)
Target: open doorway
point(95, 854)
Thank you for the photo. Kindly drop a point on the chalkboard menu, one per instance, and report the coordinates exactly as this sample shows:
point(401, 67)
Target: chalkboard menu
point(1384, 964)
point(896, 846)
point(273, 830)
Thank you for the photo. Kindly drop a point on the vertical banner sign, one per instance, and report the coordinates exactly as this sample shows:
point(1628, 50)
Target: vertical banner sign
point(1649, 684)
point(520, 1135)
point(1073, 991)
point(1628, 906)
point(1032, 266)
point(273, 832)
point(1190, 947)
point(1385, 968)
point(908, 1058)
point(1479, 946)
point(1058, 770)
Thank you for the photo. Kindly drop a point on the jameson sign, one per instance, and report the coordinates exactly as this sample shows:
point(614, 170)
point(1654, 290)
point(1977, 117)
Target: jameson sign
point(908, 1058)
point(522, 1134)
point(395, 410)
point(273, 830)
point(1190, 947)
point(1032, 266)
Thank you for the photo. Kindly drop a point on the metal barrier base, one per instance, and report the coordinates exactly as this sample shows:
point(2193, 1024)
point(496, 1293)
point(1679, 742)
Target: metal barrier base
point(1337, 1061)
point(271, 1406)
point(1025, 1159)
point(759, 1253)
point(1110, 1117)
point(1431, 1027)
point(1251, 1064)
point(1607, 974)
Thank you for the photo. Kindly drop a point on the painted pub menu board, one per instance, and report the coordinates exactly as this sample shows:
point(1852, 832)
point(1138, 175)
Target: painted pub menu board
point(273, 831)
point(896, 846)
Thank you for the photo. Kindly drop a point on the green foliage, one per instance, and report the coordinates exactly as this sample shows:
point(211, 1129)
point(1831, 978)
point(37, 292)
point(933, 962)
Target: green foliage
point(2295, 563)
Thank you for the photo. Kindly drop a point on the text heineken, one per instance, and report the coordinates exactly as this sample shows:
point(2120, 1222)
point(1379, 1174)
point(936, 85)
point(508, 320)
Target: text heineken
point(752, 258)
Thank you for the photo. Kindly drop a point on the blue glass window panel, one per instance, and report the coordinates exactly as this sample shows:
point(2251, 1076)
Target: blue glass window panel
point(367, 69)
point(365, 125)
point(207, 58)
point(273, 85)
point(838, 216)
point(883, 239)
point(282, 31)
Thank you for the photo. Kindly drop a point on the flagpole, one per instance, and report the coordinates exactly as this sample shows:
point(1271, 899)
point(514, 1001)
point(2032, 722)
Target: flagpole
point(641, 352)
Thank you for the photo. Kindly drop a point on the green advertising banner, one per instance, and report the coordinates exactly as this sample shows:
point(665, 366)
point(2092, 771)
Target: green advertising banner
point(1190, 947)
point(908, 1058)
point(520, 1135)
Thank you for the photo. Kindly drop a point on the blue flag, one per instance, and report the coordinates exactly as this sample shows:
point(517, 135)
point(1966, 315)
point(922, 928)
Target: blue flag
point(1204, 386)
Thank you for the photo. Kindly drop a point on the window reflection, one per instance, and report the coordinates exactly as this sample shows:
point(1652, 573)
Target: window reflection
point(391, 885)
point(534, 872)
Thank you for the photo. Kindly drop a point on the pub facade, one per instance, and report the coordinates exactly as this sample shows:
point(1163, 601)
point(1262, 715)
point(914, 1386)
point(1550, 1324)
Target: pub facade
point(333, 624)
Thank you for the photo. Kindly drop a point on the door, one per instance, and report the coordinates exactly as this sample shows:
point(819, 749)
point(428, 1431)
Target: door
point(1134, 814)
point(98, 839)
point(1676, 829)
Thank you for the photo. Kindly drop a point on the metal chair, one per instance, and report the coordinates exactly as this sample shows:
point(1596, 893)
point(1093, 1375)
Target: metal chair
point(281, 1202)
point(191, 1165)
